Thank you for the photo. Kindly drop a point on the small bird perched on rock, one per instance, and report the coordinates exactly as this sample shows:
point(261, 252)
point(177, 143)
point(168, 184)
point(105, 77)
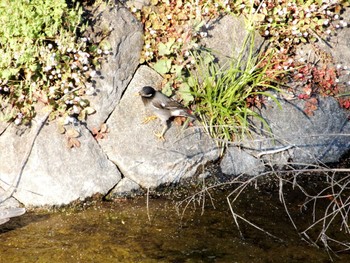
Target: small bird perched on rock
point(7, 213)
point(163, 107)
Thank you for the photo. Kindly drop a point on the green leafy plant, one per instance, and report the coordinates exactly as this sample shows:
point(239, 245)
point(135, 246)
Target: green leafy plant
point(43, 60)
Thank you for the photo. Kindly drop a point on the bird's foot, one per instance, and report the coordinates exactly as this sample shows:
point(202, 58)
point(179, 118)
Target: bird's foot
point(160, 136)
point(148, 119)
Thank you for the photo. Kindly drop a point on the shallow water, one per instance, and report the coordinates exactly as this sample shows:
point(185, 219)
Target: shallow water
point(126, 231)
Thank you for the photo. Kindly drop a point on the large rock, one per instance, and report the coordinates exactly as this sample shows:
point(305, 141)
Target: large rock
point(323, 137)
point(236, 161)
point(292, 138)
point(226, 38)
point(140, 156)
point(53, 173)
point(126, 40)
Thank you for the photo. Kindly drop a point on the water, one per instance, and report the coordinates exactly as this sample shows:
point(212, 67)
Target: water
point(125, 230)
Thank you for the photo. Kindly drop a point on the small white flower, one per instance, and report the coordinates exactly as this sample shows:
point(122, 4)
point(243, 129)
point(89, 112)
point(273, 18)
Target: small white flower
point(203, 34)
point(18, 121)
point(93, 73)
point(76, 110)
point(50, 46)
point(267, 32)
point(169, 17)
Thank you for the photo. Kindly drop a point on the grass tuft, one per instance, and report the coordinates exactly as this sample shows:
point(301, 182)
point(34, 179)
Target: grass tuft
point(224, 95)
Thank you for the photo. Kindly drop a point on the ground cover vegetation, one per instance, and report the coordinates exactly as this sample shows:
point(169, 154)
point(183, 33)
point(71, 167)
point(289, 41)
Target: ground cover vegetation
point(45, 60)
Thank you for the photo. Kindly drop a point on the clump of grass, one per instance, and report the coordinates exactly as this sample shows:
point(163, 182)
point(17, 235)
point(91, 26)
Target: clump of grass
point(43, 60)
point(224, 96)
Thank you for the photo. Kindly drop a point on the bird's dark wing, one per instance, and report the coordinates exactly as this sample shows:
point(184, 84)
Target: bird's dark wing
point(168, 105)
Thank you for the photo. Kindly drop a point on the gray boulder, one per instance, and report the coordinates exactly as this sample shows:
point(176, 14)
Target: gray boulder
point(292, 138)
point(323, 137)
point(140, 156)
point(126, 40)
point(226, 37)
point(53, 174)
point(237, 161)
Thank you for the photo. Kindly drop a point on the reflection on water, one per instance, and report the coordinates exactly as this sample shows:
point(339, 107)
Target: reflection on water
point(120, 231)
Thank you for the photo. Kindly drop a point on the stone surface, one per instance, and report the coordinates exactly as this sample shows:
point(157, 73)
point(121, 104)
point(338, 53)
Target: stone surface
point(6, 201)
point(323, 137)
point(126, 40)
point(125, 187)
point(143, 158)
point(226, 38)
point(53, 174)
point(236, 161)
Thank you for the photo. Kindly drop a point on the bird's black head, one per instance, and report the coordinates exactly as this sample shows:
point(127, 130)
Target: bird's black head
point(147, 92)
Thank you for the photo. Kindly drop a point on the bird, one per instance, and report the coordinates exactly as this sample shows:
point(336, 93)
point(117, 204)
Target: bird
point(162, 107)
point(7, 213)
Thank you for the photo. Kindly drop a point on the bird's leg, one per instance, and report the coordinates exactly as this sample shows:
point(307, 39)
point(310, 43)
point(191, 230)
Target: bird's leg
point(160, 135)
point(150, 118)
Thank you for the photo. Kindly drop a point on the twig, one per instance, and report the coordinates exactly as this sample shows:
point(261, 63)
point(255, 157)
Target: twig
point(147, 205)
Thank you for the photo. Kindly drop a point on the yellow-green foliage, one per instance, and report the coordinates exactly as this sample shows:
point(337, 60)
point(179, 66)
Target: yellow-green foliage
point(42, 59)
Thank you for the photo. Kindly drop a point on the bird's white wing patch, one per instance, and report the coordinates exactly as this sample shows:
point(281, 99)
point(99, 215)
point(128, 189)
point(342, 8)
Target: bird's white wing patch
point(178, 112)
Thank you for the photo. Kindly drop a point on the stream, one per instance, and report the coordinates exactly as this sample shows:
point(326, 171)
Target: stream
point(167, 228)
